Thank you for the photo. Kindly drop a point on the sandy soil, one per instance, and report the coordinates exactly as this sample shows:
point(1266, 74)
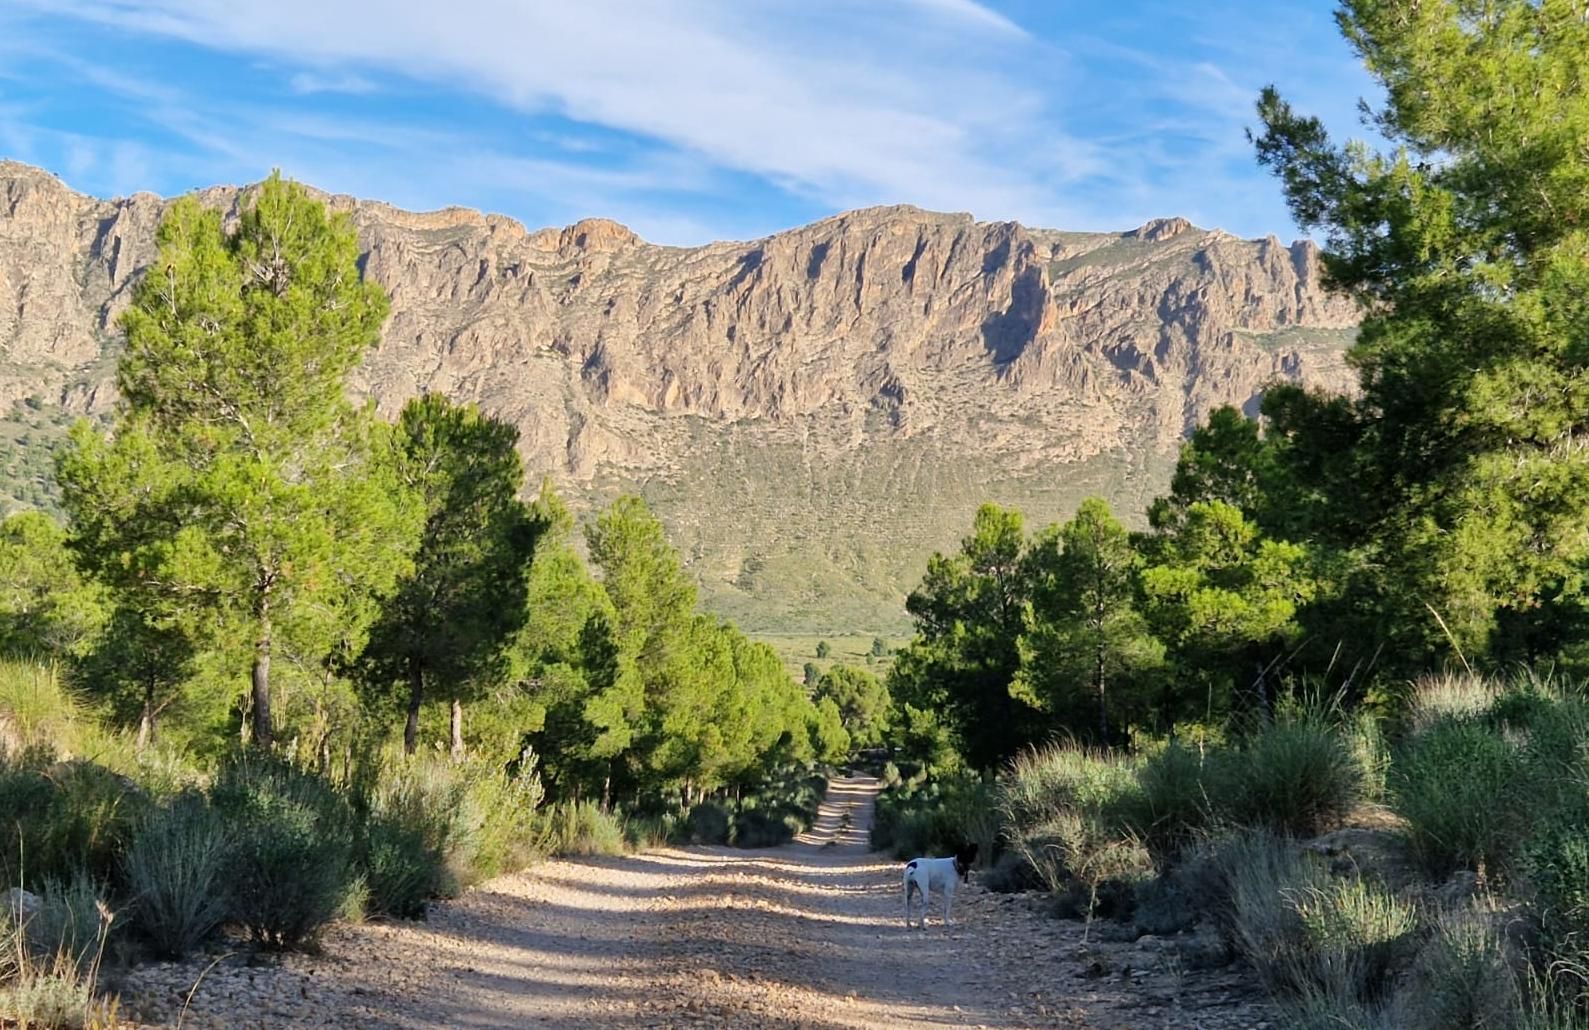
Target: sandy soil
point(809, 934)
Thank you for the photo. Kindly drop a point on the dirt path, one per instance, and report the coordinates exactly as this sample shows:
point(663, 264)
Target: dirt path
point(805, 935)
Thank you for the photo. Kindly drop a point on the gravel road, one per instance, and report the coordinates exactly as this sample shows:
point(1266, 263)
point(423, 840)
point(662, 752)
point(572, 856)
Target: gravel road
point(809, 934)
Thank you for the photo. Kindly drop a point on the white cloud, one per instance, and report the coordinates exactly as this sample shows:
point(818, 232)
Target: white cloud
point(847, 103)
point(656, 114)
point(304, 83)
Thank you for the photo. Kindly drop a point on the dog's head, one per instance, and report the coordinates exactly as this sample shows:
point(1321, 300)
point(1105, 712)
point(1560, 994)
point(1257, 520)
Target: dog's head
point(965, 858)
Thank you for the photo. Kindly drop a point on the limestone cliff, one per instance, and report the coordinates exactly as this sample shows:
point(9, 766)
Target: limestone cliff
point(812, 413)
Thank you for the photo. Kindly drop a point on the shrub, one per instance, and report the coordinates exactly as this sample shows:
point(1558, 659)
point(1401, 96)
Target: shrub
point(1011, 873)
point(1330, 942)
point(1556, 860)
point(1084, 861)
point(402, 865)
point(1295, 776)
point(583, 828)
point(414, 842)
point(1171, 805)
point(1354, 932)
point(1042, 783)
point(1463, 978)
point(175, 868)
point(72, 922)
point(41, 989)
point(69, 816)
point(290, 864)
point(504, 827)
point(708, 823)
point(935, 817)
point(1454, 784)
point(1447, 697)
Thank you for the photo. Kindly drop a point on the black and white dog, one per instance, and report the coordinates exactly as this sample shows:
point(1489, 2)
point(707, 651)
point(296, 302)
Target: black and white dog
point(927, 874)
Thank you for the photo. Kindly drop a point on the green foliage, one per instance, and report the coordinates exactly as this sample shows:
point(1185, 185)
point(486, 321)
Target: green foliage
point(823, 650)
point(1087, 657)
point(1225, 599)
point(290, 864)
point(1295, 776)
point(446, 628)
point(46, 608)
point(175, 868)
point(1467, 242)
point(241, 492)
point(580, 828)
point(863, 702)
point(1456, 785)
point(1174, 804)
point(934, 816)
point(69, 816)
point(969, 613)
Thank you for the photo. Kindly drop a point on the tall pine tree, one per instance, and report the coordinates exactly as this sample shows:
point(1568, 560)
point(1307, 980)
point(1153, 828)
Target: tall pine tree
point(241, 490)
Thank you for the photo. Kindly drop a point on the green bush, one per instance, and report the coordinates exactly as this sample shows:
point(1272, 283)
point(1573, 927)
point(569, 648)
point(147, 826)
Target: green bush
point(1455, 786)
point(72, 922)
point(290, 865)
point(402, 865)
point(175, 869)
point(936, 817)
point(1556, 861)
point(504, 828)
point(708, 823)
point(576, 828)
point(69, 815)
point(1464, 977)
point(1296, 776)
point(1171, 805)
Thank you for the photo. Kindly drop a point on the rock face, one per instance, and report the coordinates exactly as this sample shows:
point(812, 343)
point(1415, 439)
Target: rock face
point(812, 413)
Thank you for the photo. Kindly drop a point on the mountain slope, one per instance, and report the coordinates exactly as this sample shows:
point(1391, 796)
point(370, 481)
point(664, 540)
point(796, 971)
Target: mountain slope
point(811, 413)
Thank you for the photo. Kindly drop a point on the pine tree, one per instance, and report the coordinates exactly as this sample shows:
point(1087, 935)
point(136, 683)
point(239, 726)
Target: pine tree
point(241, 491)
point(1085, 639)
point(1467, 244)
point(445, 630)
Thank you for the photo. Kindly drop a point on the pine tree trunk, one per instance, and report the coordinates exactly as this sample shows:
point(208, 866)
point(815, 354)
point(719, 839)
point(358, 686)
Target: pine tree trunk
point(146, 718)
point(264, 729)
point(457, 731)
point(416, 697)
point(1103, 706)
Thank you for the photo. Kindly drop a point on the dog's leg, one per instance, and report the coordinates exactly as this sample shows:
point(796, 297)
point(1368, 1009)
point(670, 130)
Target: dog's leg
point(948, 902)
point(907, 884)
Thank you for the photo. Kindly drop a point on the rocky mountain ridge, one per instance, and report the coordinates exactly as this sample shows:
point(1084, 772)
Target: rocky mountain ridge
point(812, 413)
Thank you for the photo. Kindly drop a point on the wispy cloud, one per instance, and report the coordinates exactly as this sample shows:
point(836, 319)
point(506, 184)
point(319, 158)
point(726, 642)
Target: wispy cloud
point(694, 118)
point(304, 83)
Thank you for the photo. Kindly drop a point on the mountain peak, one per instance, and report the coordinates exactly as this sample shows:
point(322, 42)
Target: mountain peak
point(811, 413)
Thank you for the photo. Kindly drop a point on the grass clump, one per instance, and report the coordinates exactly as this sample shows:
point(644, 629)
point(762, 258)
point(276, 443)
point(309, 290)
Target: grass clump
point(1296, 776)
point(582, 828)
point(175, 869)
point(1455, 785)
point(50, 961)
point(1465, 976)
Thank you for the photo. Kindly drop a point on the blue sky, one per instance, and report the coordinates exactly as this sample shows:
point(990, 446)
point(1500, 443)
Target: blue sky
point(688, 120)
